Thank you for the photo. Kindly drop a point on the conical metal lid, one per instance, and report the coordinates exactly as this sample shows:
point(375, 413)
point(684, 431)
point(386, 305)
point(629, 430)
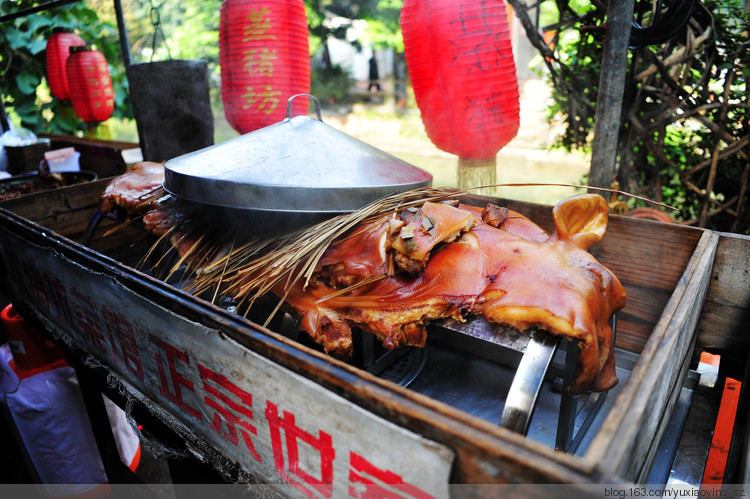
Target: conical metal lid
point(299, 165)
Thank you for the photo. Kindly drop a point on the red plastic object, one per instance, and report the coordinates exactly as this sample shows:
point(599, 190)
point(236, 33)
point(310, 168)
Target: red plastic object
point(718, 454)
point(461, 65)
point(265, 59)
point(57, 53)
point(90, 85)
point(32, 352)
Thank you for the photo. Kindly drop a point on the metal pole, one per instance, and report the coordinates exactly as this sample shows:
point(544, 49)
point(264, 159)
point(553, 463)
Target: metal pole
point(124, 43)
point(35, 9)
point(3, 117)
point(611, 90)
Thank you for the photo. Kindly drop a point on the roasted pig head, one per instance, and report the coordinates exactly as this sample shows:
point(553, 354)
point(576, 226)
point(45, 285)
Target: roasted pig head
point(393, 275)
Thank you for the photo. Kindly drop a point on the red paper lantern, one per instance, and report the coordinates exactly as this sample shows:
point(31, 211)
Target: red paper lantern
point(461, 65)
point(57, 52)
point(90, 84)
point(265, 59)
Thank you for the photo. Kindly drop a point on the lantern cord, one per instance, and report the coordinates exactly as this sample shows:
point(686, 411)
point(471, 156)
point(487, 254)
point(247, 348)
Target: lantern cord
point(156, 23)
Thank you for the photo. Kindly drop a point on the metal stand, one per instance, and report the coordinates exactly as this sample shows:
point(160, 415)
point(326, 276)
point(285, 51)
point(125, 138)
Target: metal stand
point(581, 410)
point(536, 350)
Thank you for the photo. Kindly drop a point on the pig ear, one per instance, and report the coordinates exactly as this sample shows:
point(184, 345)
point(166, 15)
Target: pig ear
point(581, 219)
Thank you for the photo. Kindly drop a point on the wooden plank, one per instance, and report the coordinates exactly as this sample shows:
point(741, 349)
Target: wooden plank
point(69, 210)
point(650, 259)
point(66, 210)
point(726, 314)
point(636, 421)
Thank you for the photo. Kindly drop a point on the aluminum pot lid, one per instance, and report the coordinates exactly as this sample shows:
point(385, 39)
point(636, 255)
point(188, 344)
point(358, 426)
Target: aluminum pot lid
point(297, 165)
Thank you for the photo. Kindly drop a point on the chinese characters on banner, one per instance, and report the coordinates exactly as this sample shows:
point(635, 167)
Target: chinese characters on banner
point(277, 425)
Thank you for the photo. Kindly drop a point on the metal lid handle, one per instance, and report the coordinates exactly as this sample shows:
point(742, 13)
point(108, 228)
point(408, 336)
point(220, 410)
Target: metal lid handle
point(289, 105)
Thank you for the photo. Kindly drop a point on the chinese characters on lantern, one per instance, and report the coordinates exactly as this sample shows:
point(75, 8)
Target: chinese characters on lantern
point(464, 79)
point(259, 61)
point(264, 57)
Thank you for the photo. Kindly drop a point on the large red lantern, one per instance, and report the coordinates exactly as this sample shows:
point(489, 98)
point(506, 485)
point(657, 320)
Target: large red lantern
point(265, 59)
point(57, 52)
point(461, 65)
point(90, 84)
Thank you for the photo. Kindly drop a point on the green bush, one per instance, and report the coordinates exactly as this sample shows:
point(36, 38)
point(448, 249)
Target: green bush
point(23, 42)
point(684, 119)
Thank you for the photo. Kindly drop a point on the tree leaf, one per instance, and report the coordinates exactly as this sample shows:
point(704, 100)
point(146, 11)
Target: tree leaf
point(36, 46)
point(27, 83)
point(16, 39)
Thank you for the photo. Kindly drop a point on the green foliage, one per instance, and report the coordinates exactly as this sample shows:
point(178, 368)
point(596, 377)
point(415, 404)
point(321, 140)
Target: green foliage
point(24, 88)
point(674, 121)
point(574, 93)
point(331, 84)
point(383, 25)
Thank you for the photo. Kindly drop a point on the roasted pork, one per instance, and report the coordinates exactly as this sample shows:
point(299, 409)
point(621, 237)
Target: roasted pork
point(513, 274)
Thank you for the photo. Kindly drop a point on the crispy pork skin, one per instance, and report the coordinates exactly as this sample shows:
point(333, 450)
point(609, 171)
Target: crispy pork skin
point(392, 275)
point(513, 274)
point(131, 189)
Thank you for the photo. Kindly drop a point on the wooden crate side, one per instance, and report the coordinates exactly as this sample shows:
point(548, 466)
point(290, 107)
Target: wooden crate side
point(69, 210)
point(726, 313)
point(650, 259)
point(634, 426)
point(66, 210)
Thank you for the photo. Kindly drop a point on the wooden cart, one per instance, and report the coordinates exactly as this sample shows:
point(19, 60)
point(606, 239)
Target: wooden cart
point(260, 407)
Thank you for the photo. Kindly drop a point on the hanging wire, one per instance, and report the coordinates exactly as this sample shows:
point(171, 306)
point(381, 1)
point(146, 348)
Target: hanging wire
point(156, 23)
point(665, 23)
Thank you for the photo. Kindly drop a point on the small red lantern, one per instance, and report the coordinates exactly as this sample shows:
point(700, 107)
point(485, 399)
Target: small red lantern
point(265, 59)
point(57, 52)
point(461, 65)
point(90, 84)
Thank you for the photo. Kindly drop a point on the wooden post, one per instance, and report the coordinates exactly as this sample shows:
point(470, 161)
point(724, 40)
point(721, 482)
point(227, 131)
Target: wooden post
point(611, 89)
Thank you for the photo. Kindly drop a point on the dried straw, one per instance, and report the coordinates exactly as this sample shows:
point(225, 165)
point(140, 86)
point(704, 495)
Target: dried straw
point(248, 270)
point(253, 269)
